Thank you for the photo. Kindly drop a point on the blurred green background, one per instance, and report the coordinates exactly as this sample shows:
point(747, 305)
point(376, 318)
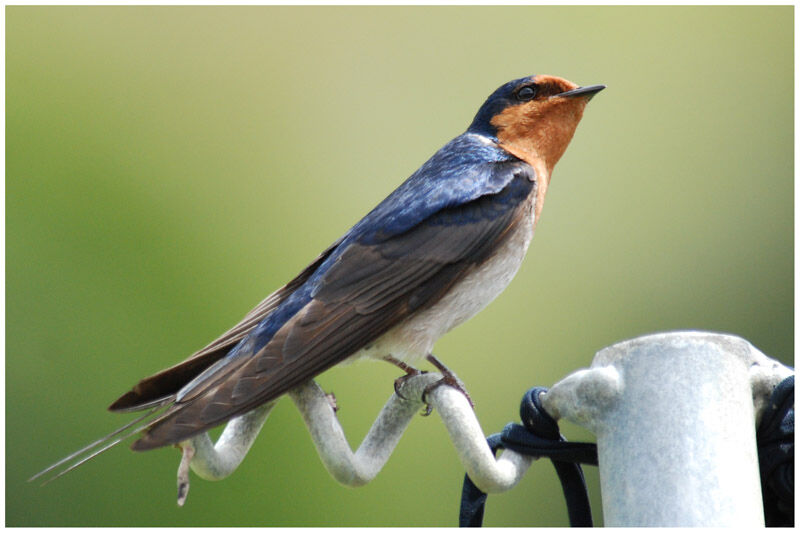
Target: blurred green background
point(166, 168)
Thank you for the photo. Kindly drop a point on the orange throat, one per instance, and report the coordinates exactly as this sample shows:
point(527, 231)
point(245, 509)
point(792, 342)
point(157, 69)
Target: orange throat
point(538, 132)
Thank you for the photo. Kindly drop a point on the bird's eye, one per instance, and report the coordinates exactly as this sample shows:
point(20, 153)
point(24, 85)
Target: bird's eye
point(526, 93)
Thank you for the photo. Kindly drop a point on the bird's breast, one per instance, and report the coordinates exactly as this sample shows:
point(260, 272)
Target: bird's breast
point(413, 338)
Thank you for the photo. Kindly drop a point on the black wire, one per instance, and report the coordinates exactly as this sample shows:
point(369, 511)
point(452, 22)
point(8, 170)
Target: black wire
point(539, 437)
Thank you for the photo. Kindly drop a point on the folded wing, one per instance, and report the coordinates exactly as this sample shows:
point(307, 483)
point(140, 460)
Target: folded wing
point(367, 288)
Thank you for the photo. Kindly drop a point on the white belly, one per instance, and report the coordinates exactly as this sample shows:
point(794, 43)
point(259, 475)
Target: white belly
point(414, 338)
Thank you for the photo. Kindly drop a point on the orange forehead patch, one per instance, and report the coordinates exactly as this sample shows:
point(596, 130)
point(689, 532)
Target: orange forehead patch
point(554, 84)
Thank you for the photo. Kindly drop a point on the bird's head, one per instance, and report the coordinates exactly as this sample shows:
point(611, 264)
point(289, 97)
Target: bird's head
point(534, 118)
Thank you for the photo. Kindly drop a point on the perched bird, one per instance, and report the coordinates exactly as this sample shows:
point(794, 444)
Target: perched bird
point(430, 256)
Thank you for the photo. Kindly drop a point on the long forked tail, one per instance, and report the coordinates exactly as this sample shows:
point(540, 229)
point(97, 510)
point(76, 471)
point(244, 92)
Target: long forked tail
point(90, 451)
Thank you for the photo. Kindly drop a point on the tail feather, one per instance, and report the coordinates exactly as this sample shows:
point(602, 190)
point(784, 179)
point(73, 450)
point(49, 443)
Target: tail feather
point(158, 392)
point(168, 382)
point(154, 390)
point(90, 451)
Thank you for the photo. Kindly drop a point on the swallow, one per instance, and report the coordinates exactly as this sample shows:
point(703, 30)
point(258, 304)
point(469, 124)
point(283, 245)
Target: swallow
point(431, 255)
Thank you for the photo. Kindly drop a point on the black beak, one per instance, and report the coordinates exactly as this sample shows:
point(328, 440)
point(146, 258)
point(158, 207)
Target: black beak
point(587, 92)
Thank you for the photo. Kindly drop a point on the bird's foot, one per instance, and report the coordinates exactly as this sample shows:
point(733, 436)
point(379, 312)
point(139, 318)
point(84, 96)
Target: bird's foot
point(449, 379)
point(398, 383)
point(410, 372)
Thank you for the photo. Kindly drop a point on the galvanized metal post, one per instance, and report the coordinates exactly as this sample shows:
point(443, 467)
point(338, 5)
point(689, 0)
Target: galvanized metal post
point(675, 417)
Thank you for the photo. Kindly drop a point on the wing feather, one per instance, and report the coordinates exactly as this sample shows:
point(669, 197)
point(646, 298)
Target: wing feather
point(369, 289)
point(162, 386)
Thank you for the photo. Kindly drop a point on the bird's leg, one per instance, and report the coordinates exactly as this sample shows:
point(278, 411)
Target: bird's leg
point(449, 379)
point(408, 369)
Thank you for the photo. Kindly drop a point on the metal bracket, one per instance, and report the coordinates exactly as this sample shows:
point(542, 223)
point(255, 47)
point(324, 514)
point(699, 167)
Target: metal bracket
point(216, 461)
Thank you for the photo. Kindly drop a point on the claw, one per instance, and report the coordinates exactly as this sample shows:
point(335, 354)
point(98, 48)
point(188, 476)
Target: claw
point(414, 372)
point(449, 378)
point(408, 369)
point(398, 383)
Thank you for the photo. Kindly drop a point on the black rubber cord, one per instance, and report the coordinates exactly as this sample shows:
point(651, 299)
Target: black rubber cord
point(538, 436)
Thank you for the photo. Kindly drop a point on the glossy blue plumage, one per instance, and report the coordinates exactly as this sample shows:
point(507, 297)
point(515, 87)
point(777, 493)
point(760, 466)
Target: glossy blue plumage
point(497, 102)
point(460, 172)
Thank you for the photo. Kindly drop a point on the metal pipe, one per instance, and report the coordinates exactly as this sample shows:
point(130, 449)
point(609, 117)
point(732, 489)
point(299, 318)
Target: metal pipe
point(675, 417)
point(216, 461)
